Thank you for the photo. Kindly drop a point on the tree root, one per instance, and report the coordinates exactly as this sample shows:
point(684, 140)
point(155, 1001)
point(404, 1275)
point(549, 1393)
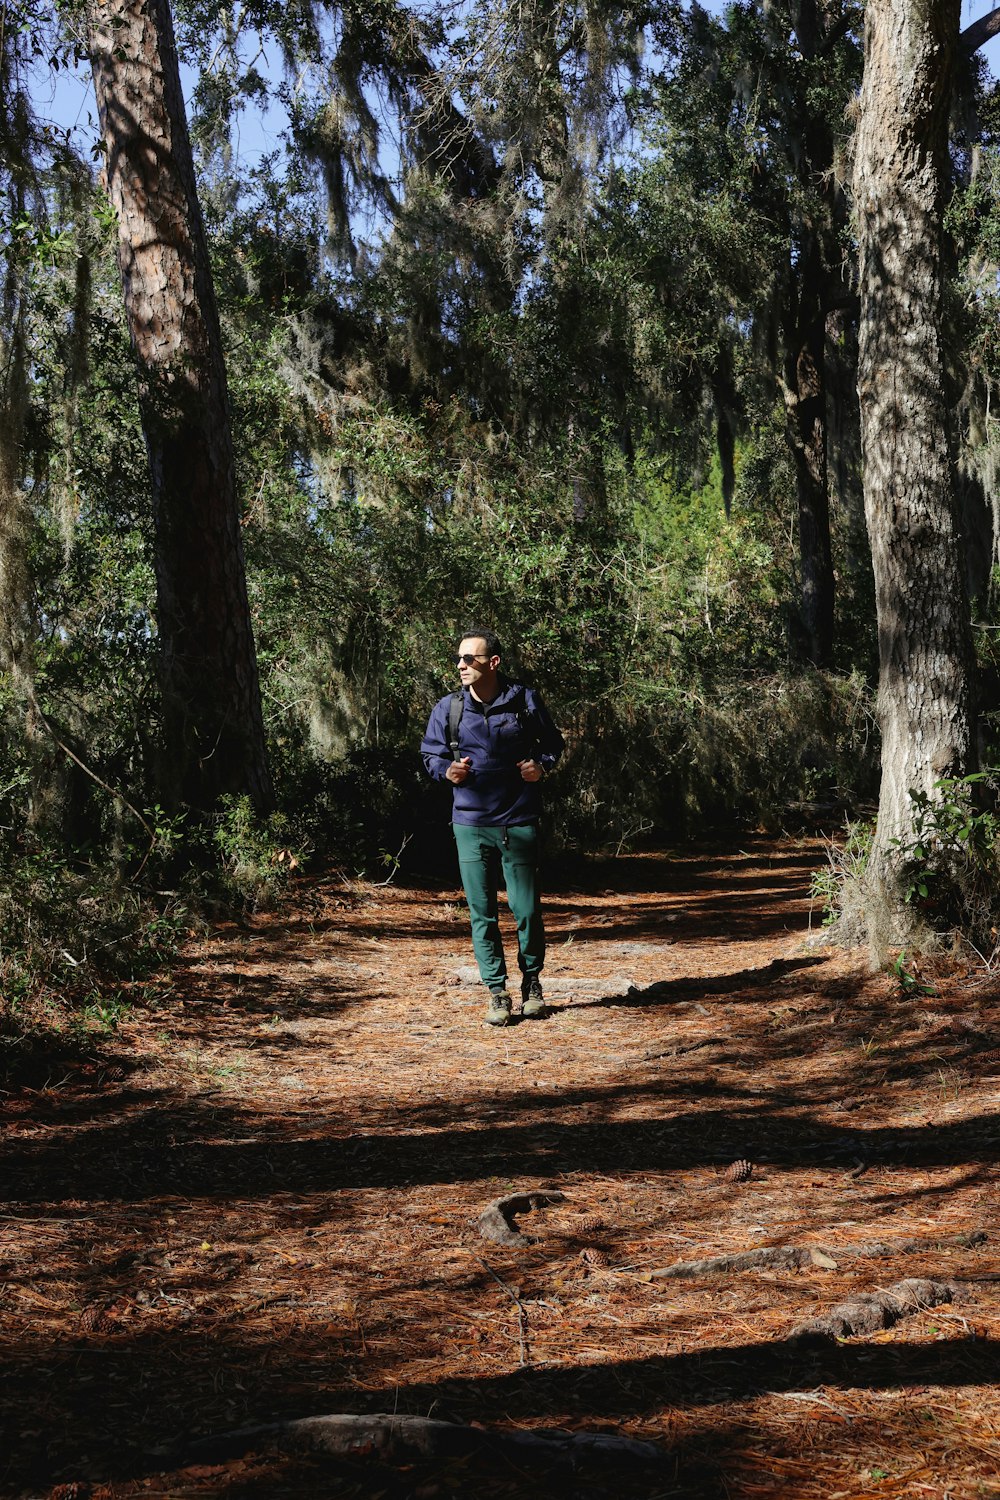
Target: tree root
point(794, 1257)
point(774, 1257)
point(496, 1222)
point(402, 1438)
point(885, 1249)
point(870, 1311)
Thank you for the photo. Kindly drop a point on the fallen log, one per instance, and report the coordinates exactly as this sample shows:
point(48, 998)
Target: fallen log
point(497, 1220)
point(395, 1439)
point(870, 1311)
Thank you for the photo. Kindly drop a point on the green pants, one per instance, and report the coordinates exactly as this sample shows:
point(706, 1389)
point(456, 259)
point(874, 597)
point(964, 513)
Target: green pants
point(482, 854)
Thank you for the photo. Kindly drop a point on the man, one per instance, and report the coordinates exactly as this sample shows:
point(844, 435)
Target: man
point(495, 742)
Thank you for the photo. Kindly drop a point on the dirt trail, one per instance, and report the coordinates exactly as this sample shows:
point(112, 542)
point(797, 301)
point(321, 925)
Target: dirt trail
point(266, 1208)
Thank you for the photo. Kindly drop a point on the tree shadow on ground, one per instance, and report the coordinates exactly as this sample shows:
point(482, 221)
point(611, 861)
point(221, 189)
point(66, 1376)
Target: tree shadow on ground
point(684, 988)
point(40, 1058)
point(160, 1392)
point(161, 1148)
point(188, 1359)
point(646, 874)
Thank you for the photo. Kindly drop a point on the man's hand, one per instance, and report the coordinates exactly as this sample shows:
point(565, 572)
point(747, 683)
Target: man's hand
point(531, 770)
point(459, 770)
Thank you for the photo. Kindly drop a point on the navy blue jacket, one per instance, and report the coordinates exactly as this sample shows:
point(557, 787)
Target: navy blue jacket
point(494, 794)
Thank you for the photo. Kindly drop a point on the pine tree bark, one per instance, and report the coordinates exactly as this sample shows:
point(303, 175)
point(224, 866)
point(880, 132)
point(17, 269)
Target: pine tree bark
point(815, 275)
point(804, 389)
point(18, 185)
point(925, 649)
point(214, 737)
point(14, 590)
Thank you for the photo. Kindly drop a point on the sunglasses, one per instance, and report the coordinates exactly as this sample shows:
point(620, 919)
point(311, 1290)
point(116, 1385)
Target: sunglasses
point(467, 659)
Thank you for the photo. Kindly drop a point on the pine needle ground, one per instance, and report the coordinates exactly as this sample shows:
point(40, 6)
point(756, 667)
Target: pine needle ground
point(261, 1202)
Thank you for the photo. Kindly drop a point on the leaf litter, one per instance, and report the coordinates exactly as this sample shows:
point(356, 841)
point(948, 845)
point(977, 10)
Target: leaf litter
point(265, 1206)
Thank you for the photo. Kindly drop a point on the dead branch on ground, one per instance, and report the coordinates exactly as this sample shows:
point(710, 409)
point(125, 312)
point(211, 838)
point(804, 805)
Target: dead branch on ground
point(522, 1311)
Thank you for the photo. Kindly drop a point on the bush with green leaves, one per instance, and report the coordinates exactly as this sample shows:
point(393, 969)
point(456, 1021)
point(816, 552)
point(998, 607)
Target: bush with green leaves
point(950, 869)
point(948, 873)
point(253, 857)
point(77, 940)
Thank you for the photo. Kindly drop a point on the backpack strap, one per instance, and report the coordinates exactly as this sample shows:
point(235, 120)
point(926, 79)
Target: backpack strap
point(456, 708)
point(518, 706)
point(525, 719)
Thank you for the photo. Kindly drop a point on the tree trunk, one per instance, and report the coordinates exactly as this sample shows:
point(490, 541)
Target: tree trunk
point(804, 388)
point(16, 174)
point(815, 275)
point(925, 649)
point(211, 696)
point(14, 526)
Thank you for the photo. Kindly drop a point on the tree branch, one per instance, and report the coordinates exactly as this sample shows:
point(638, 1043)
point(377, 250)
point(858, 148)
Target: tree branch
point(853, 16)
point(981, 31)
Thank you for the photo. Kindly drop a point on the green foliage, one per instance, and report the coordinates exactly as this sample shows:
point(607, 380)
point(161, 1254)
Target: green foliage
point(907, 978)
point(254, 859)
point(947, 872)
point(950, 867)
point(723, 581)
point(834, 887)
point(77, 941)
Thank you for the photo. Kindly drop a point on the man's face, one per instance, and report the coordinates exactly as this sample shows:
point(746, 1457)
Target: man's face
point(481, 674)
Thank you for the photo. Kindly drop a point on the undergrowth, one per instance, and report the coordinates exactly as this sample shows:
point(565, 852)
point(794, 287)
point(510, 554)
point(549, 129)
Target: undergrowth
point(79, 946)
point(938, 886)
point(83, 941)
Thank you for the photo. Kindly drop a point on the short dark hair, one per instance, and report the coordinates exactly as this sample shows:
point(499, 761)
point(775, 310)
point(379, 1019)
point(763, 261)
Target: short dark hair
point(489, 638)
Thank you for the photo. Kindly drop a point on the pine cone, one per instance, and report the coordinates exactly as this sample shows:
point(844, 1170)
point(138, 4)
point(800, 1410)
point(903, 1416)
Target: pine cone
point(593, 1257)
point(740, 1171)
point(91, 1316)
point(97, 1319)
point(590, 1224)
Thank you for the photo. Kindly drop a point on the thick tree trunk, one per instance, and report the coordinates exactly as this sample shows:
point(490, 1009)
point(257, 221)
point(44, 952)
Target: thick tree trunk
point(214, 729)
point(925, 651)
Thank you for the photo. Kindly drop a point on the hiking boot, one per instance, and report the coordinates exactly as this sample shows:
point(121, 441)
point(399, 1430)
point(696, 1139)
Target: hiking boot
point(498, 1010)
point(532, 999)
